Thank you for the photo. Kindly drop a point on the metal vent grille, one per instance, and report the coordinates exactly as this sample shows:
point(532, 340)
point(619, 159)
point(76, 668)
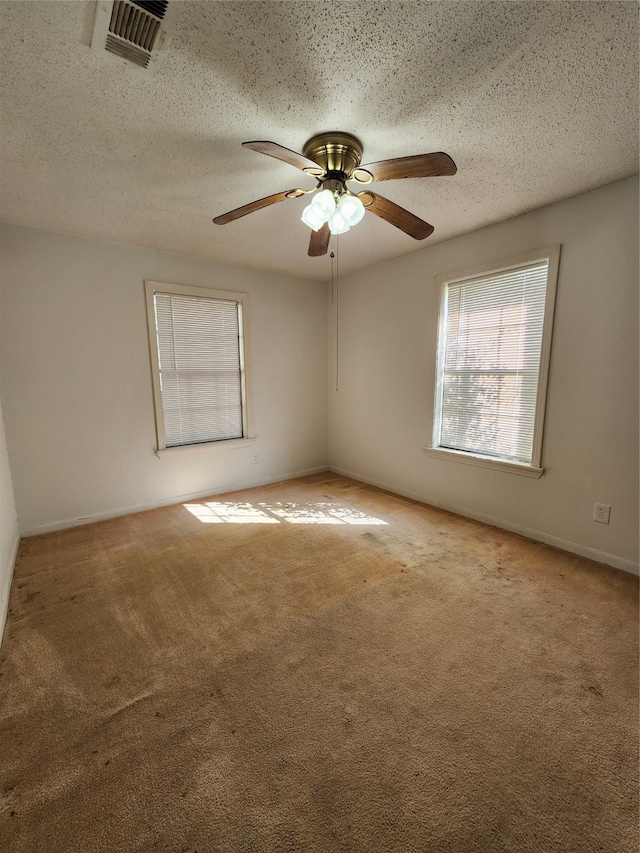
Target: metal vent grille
point(156, 7)
point(127, 51)
point(134, 25)
point(136, 30)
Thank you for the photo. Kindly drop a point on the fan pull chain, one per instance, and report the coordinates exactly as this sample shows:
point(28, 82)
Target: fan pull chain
point(332, 256)
point(337, 256)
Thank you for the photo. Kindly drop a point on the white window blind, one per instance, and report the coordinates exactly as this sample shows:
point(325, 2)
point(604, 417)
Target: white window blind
point(491, 343)
point(200, 368)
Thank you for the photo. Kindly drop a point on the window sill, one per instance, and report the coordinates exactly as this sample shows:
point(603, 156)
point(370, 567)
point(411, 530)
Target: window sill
point(485, 462)
point(231, 444)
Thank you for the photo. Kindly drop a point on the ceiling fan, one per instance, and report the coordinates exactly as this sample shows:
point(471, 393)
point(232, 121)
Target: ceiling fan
point(333, 159)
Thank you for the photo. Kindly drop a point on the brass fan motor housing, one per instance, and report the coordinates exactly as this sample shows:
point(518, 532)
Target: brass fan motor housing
point(334, 151)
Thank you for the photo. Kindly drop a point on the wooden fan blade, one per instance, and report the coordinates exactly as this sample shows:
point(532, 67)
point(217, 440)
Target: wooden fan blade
point(272, 149)
point(420, 166)
point(398, 216)
point(319, 242)
point(254, 205)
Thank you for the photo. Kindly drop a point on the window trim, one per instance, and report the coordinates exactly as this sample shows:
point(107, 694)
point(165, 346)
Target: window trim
point(535, 469)
point(242, 300)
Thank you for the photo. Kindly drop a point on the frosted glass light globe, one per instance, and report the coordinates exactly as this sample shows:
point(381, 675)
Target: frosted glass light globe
point(324, 204)
point(337, 225)
point(351, 209)
point(311, 217)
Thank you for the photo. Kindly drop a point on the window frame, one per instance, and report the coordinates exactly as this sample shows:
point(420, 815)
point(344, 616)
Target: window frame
point(242, 301)
point(552, 255)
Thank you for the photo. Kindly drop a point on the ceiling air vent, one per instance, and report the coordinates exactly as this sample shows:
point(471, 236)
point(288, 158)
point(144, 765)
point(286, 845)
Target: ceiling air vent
point(135, 30)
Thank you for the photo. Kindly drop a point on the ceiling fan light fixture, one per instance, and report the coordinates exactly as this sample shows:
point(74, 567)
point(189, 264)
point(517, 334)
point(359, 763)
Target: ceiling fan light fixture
point(351, 209)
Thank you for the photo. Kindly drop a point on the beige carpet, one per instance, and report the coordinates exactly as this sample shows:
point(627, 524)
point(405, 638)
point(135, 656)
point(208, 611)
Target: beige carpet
point(315, 666)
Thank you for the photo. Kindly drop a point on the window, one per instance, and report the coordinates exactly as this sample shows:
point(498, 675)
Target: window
point(197, 341)
point(494, 343)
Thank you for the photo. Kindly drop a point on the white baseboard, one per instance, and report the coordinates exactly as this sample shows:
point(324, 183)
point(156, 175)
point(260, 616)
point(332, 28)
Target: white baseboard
point(529, 533)
point(62, 524)
point(5, 591)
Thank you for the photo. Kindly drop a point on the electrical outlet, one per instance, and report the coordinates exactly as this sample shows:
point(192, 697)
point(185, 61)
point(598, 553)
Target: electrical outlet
point(601, 513)
point(254, 458)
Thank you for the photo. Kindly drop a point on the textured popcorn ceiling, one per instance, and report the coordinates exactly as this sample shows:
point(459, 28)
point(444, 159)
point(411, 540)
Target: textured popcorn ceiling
point(535, 102)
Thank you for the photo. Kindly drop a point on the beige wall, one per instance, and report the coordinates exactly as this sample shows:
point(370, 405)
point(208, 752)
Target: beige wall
point(380, 418)
point(9, 537)
point(77, 391)
point(77, 399)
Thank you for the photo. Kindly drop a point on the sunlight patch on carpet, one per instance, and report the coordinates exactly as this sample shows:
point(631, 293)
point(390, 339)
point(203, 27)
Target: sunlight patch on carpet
point(243, 512)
